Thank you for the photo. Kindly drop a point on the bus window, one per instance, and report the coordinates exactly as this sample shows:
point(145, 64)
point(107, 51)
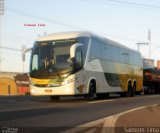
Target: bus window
point(106, 54)
point(124, 56)
point(78, 60)
point(95, 48)
point(35, 62)
point(131, 57)
point(115, 52)
point(62, 59)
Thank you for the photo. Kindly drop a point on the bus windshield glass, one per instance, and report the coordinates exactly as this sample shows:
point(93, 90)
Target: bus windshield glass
point(51, 58)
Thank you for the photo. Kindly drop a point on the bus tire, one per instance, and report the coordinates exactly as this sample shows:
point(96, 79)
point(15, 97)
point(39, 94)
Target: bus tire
point(130, 90)
point(133, 90)
point(54, 98)
point(92, 91)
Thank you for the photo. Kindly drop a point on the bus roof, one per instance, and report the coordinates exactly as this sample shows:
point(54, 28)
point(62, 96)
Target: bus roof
point(64, 35)
point(114, 43)
point(117, 44)
point(74, 34)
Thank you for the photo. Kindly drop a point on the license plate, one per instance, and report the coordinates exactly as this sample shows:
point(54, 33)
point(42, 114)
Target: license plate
point(48, 91)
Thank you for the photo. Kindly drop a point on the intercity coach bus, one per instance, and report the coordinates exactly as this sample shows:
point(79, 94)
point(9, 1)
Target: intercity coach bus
point(83, 63)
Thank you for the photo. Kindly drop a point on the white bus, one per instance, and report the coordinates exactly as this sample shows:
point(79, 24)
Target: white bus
point(82, 63)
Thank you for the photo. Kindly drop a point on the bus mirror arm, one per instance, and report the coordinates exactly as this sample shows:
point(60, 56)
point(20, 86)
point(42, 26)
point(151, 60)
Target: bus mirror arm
point(24, 51)
point(73, 54)
point(73, 49)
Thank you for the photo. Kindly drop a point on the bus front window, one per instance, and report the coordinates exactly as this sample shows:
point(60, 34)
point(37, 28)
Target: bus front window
point(51, 58)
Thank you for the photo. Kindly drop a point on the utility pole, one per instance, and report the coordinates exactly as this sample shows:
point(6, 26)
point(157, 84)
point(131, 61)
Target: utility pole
point(149, 41)
point(141, 43)
point(1, 14)
point(23, 61)
point(24, 51)
point(0, 41)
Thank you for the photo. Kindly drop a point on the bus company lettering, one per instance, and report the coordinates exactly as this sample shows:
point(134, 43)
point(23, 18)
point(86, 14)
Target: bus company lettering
point(34, 25)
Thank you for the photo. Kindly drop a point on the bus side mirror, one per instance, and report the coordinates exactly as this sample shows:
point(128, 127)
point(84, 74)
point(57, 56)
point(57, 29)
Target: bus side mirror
point(73, 49)
point(76, 55)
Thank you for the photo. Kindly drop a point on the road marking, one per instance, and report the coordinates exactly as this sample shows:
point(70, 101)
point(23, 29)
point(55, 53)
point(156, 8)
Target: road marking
point(101, 101)
point(104, 122)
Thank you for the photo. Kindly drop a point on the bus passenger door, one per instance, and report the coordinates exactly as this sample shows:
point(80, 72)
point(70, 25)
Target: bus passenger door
point(79, 63)
point(78, 67)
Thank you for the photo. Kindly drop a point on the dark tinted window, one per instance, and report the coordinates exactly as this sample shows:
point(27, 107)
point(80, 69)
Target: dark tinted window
point(95, 50)
point(84, 41)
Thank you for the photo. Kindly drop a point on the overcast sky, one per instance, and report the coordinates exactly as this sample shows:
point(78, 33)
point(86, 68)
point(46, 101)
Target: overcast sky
point(124, 21)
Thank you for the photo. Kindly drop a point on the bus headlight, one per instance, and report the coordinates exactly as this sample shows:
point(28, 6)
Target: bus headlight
point(65, 82)
point(32, 91)
point(68, 81)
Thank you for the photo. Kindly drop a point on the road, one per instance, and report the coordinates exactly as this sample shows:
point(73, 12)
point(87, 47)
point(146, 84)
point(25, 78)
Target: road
point(40, 114)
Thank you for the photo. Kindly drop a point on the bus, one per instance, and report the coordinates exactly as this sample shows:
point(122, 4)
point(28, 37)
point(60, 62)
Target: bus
point(83, 63)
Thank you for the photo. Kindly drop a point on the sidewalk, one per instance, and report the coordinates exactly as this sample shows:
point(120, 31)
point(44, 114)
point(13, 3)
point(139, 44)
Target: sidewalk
point(146, 117)
point(146, 120)
point(140, 120)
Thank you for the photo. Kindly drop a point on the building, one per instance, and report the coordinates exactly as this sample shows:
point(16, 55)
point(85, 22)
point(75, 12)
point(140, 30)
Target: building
point(12, 83)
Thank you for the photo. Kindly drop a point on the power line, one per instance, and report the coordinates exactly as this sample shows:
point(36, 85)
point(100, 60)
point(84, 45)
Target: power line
point(123, 38)
point(134, 3)
point(9, 48)
point(42, 18)
point(123, 3)
point(63, 24)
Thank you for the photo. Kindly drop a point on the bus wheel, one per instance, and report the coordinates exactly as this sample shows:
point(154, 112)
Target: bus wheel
point(54, 97)
point(133, 91)
point(130, 90)
point(92, 91)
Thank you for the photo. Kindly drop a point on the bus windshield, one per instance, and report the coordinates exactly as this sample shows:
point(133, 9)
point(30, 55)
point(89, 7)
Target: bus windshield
point(51, 58)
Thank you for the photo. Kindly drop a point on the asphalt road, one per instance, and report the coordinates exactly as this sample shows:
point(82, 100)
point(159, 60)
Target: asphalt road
point(40, 114)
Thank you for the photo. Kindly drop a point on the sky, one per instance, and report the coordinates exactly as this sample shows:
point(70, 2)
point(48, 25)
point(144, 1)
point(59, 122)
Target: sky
point(124, 21)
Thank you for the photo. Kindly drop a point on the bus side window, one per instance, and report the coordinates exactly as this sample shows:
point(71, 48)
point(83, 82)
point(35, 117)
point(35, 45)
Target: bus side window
point(78, 60)
point(35, 62)
point(115, 52)
point(131, 57)
point(106, 54)
point(95, 50)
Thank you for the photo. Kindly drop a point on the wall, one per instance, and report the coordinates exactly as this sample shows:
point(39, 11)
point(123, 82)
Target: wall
point(13, 83)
